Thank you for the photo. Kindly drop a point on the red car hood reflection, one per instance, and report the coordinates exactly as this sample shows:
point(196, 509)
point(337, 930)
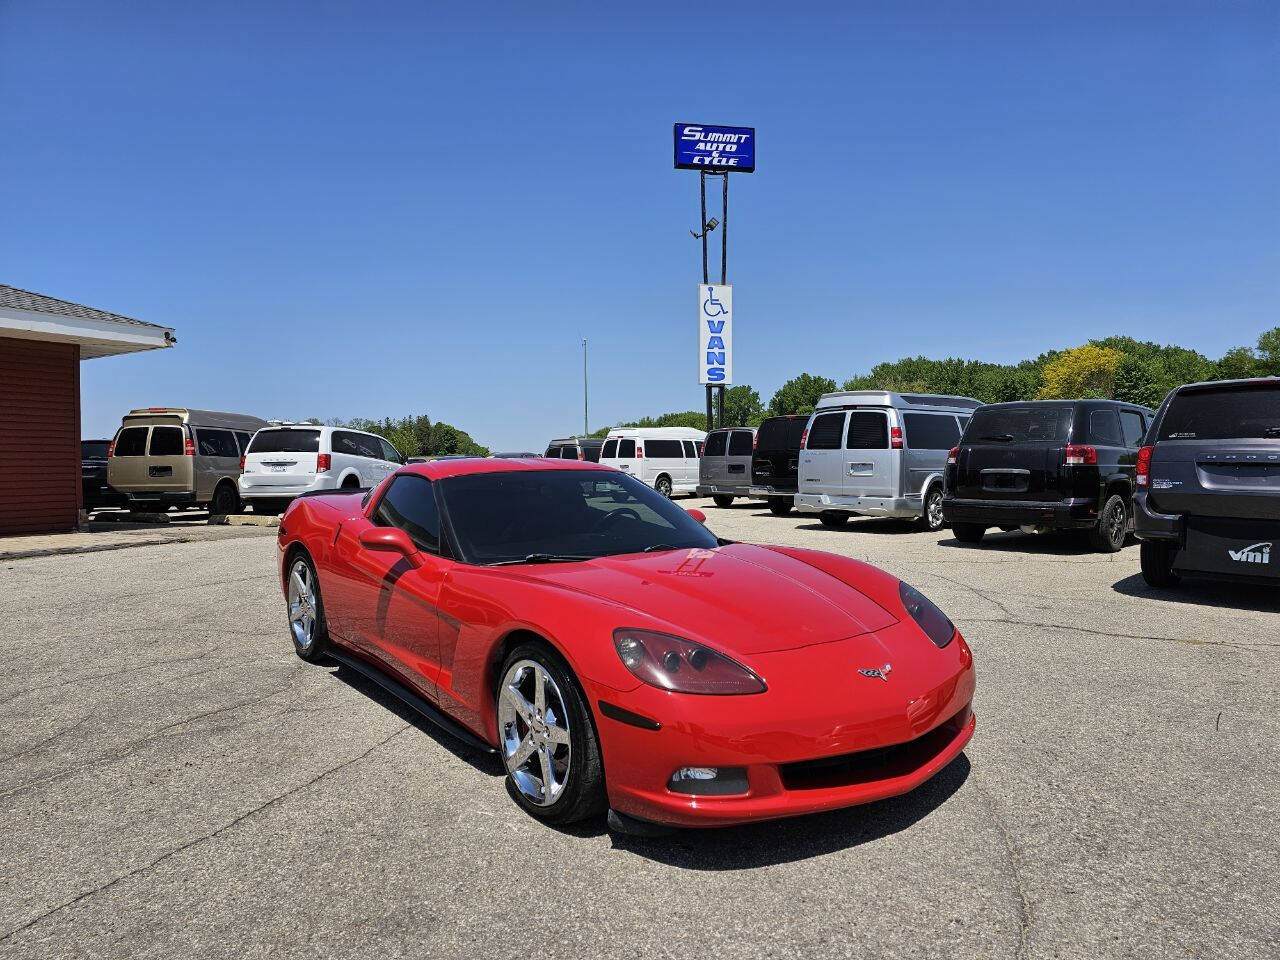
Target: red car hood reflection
point(741, 598)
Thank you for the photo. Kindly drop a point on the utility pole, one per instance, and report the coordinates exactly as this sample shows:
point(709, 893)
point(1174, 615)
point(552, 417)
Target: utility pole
point(586, 430)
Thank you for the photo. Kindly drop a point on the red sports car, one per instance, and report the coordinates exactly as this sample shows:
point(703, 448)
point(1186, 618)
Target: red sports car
point(616, 654)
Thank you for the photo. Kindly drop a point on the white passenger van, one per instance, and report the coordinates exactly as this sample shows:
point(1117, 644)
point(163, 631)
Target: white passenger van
point(879, 454)
point(285, 460)
point(666, 458)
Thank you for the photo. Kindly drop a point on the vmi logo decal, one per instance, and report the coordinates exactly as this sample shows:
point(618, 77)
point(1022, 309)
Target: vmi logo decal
point(1258, 553)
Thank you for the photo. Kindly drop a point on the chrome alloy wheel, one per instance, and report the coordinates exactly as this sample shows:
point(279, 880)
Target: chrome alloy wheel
point(934, 511)
point(302, 604)
point(533, 724)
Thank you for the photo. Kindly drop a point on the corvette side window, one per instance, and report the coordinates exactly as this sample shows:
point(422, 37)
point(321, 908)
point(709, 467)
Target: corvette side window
point(410, 504)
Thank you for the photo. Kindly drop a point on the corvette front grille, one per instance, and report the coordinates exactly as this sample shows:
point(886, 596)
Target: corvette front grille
point(868, 766)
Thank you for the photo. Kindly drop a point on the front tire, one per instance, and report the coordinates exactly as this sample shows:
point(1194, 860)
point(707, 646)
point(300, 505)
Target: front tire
point(832, 520)
point(932, 517)
point(1108, 535)
point(306, 610)
point(722, 500)
point(547, 738)
point(663, 486)
point(780, 506)
point(1157, 564)
point(968, 532)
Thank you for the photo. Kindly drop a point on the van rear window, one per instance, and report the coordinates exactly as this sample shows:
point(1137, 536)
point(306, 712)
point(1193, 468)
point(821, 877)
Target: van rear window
point(781, 433)
point(715, 444)
point(1020, 423)
point(285, 441)
point(610, 449)
point(740, 444)
point(132, 442)
point(166, 442)
point(1240, 412)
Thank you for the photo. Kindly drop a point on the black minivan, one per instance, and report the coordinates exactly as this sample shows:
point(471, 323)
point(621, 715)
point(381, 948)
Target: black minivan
point(1208, 500)
point(775, 461)
point(1047, 465)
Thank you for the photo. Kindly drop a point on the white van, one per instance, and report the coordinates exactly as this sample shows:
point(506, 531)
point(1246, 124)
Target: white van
point(286, 460)
point(879, 454)
point(666, 458)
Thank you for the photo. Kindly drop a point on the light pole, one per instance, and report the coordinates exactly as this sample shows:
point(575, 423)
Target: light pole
point(586, 430)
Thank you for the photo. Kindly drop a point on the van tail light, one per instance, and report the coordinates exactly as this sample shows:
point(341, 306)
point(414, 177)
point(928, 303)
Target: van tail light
point(755, 439)
point(1080, 456)
point(1144, 466)
point(639, 451)
point(189, 447)
point(804, 438)
point(111, 449)
point(323, 462)
point(581, 455)
point(953, 455)
point(895, 438)
point(242, 463)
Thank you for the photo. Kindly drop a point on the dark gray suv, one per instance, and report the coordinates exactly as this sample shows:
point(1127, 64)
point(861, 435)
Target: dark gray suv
point(1208, 484)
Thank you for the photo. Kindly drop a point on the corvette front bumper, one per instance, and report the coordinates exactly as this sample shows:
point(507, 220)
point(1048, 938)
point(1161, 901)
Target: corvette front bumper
point(835, 739)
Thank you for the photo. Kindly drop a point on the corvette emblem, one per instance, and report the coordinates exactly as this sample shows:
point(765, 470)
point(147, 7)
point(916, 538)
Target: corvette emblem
point(873, 672)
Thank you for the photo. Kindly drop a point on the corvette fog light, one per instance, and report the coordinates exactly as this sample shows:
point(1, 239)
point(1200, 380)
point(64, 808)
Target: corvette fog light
point(709, 781)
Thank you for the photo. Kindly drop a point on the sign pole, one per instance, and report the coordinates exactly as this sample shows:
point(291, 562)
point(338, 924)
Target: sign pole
point(586, 430)
point(724, 265)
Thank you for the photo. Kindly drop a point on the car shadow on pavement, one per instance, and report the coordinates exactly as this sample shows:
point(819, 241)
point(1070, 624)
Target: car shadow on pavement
point(1259, 598)
point(487, 763)
point(1060, 543)
point(798, 838)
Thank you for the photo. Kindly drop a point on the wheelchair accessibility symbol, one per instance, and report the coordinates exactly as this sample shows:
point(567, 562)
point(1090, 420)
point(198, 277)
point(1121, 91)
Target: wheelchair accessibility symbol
point(711, 306)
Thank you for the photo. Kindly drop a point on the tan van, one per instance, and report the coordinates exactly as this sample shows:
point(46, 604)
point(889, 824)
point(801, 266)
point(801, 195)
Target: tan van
point(172, 456)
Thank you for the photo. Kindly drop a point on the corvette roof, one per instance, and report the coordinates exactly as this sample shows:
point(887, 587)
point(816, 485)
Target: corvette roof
point(438, 469)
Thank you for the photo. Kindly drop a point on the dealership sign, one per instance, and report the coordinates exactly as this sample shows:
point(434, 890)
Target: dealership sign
point(715, 334)
point(715, 149)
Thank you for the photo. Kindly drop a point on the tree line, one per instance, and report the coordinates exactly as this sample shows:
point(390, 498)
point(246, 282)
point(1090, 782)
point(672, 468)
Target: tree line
point(414, 436)
point(1114, 368)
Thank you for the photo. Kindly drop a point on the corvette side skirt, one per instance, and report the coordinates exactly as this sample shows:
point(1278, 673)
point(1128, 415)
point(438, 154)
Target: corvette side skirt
point(418, 704)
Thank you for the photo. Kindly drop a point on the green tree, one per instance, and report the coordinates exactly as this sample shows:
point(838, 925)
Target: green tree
point(1238, 363)
point(800, 394)
point(1269, 353)
point(742, 407)
point(1138, 380)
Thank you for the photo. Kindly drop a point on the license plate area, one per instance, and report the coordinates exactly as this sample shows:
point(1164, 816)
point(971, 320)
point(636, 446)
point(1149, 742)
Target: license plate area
point(1006, 480)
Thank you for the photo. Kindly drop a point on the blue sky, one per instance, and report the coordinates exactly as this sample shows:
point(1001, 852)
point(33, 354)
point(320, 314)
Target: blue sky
point(363, 209)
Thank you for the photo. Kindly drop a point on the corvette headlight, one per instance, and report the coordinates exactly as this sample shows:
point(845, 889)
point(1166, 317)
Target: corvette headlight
point(935, 624)
point(682, 666)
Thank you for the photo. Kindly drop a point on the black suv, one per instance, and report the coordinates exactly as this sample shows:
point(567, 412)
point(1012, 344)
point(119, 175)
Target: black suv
point(1047, 465)
point(1208, 500)
point(775, 462)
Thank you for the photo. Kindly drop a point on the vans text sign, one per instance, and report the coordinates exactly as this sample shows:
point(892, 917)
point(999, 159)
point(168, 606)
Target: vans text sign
point(715, 334)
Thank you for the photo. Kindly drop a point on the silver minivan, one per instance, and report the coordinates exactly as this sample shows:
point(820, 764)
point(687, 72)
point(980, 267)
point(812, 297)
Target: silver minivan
point(877, 453)
point(724, 471)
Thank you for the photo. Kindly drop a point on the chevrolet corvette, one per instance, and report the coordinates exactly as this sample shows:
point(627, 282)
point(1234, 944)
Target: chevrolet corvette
point(616, 654)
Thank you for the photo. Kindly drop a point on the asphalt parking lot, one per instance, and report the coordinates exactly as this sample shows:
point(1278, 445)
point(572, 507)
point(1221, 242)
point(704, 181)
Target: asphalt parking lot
point(176, 782)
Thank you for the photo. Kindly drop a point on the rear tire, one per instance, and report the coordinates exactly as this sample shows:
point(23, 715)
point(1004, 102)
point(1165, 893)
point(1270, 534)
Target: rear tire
point(968, 532)
point(226, 500)
point(663, 486)
point(931, 517)
point(1109, 534)
point(833, 521)
point(723, 500)
point(780, 506)
point(582, 794)
point(305, 608)
point(1157, 564)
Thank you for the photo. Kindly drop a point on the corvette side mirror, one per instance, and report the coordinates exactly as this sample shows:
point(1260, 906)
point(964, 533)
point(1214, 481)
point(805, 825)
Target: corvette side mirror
point(697, 515)
point(390, 540)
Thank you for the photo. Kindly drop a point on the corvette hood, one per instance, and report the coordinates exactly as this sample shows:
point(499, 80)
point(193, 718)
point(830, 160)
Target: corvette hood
point(740, 598)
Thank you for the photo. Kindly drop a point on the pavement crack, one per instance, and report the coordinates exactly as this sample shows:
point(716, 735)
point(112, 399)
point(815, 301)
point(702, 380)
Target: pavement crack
point(1076, 628)
point(111, 674)
point(138, 871)
point(976, 592)
point(1015, 871)
point(48, 740)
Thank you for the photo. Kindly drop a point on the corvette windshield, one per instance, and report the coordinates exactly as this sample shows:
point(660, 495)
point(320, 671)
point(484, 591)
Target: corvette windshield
point(543, 515)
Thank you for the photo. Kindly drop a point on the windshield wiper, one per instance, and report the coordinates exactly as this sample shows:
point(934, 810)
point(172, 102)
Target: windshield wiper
point(1003, 437)
point(542, 558)
point(1270, 432)
point(659, 546)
